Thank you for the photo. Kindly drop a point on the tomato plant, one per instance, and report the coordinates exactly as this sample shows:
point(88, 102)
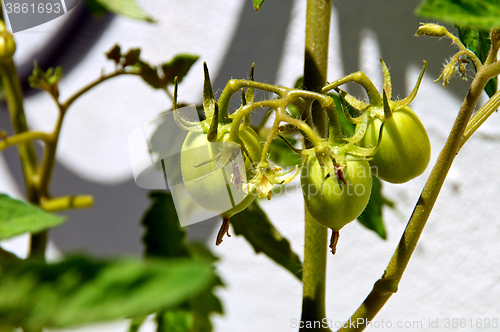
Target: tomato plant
point(224, 154)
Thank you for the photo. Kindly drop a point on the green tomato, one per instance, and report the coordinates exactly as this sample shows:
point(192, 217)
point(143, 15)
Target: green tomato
point(405, 150)
point(331, 203)
point(213, 182)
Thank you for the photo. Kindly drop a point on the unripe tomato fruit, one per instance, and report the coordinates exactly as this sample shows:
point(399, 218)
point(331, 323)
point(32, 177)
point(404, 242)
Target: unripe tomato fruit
point(405, 150)
point(211, 191)
point(338, 204)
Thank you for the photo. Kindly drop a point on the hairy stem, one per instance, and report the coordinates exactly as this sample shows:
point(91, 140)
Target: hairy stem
point(318, 17)
point(234, 86)
point(316, 236)
point(29, 163)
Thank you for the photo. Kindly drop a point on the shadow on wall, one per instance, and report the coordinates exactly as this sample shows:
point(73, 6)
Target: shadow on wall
point(113, 225)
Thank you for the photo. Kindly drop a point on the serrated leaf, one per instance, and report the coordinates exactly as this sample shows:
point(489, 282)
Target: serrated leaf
point(80, 290)
point(164, 236)
point(128, 8)
point(372, 217)
point(115, 54)
point(257, 4)
point(478, 41)
point(202, 306)
point(18, 217)
point(255, 226)
point(178, 66)
point(480, 14)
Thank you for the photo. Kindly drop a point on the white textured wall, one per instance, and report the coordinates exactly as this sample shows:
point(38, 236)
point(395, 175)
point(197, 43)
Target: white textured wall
point(455, 270)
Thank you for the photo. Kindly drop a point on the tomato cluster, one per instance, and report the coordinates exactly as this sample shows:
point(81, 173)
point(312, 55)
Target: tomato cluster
point(389, 141)
point(386, 139)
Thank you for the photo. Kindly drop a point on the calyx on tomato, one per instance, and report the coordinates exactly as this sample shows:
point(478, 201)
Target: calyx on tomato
point(404, 151)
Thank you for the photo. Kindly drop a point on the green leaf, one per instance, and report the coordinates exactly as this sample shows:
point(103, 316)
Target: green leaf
point(479, 14)
point(150, 75)
point(372, 217)
point(7, 257)
point(299, 83)
point(478, 41)
point(164, 236)
point(258, 230)
point(179, 320)
point(202, 306)
point(257, 4)
point(128, 8)
point(80, 290)
point(282, 155)
point(178, 66)
point(46, 80)
point(136, 323)
point(18, 217)
point(132, 57)
point(348, 128)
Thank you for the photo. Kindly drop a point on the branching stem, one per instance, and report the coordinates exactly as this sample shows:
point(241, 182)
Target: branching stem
point(388, 284)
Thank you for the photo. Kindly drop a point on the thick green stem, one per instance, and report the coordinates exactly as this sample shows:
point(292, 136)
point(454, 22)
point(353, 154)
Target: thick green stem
point(316, 236)
point(14, 97)
point(388, 284)
point(314, 273)
point(49, 157)
point(318, 17)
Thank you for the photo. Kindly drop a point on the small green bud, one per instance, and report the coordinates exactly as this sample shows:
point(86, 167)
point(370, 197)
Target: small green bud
point(431, 29)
